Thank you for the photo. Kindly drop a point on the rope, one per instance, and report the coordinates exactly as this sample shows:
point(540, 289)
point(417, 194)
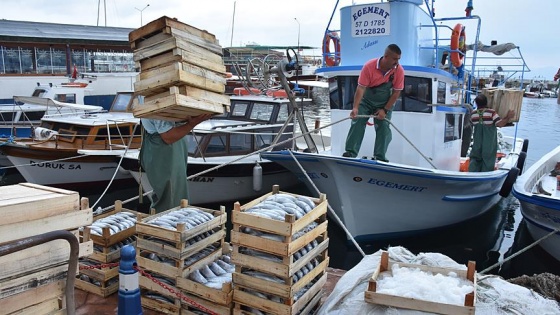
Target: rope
point(332, 212)
point(521, 251)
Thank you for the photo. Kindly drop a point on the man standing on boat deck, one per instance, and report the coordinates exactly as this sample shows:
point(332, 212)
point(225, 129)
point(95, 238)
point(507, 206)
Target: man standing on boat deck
point(485, 135)
point(379, 86)
point(163, 157)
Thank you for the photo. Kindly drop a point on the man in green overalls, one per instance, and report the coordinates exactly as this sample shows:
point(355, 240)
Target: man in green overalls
point(485, 135)
point(379, 86)
point(163, 157)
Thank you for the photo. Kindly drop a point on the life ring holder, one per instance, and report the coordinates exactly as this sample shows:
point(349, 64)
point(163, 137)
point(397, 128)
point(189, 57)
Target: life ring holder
point(458, 40)
point(331, 58)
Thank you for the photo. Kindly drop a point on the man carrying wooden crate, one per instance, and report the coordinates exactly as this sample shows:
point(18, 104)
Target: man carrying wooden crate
point(164, 159)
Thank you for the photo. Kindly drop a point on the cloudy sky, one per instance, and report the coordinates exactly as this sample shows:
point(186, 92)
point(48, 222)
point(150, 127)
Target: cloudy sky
point(530, 25)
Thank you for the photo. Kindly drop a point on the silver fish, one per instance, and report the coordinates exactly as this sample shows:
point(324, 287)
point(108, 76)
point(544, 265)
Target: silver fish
point(207, 273)
point(216, 269)
point(197, 277)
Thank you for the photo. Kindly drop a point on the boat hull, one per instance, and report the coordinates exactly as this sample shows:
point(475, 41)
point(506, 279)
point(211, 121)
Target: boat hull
point(66, 170)
point(228, 183)
point(540, 201)
point(382, 200)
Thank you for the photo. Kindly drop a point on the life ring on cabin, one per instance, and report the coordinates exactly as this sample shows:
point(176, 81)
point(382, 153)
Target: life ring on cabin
point(458, 39)
point(331, 58)
point(508, 183)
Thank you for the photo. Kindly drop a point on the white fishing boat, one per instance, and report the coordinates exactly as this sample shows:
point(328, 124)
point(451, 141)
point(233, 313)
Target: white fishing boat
point(76, 149)
point(425, 185)
point(220, 150)
point(537, 190)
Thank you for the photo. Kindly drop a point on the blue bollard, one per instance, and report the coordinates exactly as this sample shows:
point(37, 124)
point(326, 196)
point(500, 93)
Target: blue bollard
point(129, 290)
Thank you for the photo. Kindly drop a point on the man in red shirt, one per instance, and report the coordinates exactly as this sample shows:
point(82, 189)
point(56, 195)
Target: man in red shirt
point(379, 86)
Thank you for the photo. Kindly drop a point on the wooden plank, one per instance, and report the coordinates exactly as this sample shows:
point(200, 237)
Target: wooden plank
point(26, 202)
point(103, 274)
point(185, 250)
point(177, 108)
point(196, 93)
point(161, 24)
point(33, 280)
point(222, 297)
point(160, 306)
point(38, 257)
point(46, 307)
point(159, 60)
point(158, 80)
point(189, 53)
point(30, 297)
point(65, 221)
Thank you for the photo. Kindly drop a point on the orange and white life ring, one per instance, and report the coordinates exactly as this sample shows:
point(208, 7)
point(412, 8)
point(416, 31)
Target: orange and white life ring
point(331, 59)
point(241, 91)
point(458, 39)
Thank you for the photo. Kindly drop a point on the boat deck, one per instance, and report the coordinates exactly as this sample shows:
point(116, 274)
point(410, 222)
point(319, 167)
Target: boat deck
point(547, 185)
point(89, 303)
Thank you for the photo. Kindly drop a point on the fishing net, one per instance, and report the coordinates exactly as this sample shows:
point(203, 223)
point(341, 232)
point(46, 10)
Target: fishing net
point(495, 296)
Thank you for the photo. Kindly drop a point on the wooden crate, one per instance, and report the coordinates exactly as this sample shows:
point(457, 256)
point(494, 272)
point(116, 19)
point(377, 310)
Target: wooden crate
point(119, 208)
point(107, 287)
point(176, 106)
point(304, 305)
point(223, 297)
point(286, 229)
point(285, 290)
point(158, 80)
point(178, 269)
point(107, 255)
point(101, 274)
point(29, 209)
point(502, 100)
point(165, 27)
point(189, 308)
point(371, 296)
point(35, 301)
point(147, 286)
point(285, 268)
point(182, 234)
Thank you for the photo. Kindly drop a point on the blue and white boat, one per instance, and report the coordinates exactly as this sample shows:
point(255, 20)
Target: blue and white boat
point(423, 186)
point(539, 197)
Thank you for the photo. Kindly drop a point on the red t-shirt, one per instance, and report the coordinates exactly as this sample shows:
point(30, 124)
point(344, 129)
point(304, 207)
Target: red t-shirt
point(371, 76)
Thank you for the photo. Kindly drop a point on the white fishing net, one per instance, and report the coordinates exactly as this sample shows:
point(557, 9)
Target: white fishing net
point(495, 296)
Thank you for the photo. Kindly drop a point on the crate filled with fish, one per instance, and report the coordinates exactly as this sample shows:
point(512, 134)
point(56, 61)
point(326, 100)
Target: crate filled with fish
point(248, 300)
point(180, 267)
point(211, 279)
point(92, 282)
point(112, 229)
point(279, 223)
point(155, 293)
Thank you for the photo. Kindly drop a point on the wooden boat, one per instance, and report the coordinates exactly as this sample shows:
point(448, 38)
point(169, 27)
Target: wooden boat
point(65, 150)
point(538, 192)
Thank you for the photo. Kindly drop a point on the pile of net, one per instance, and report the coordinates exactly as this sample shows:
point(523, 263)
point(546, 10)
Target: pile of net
point(494, 295)
point(545, 284)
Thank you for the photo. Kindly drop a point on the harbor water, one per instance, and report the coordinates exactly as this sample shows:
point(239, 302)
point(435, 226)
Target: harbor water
point(488, 239)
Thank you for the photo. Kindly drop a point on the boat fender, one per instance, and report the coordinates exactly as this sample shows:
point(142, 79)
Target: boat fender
point(525, 145)
point(521, 161)
point(257, 177)
point(458, 39)
point(508, 183)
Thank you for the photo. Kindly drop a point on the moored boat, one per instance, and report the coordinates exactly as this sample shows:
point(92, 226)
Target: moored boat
point(422, 187)
point(73, 149)
point(537, 190)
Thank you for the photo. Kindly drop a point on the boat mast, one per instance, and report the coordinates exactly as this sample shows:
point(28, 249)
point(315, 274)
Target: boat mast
point(232, 24)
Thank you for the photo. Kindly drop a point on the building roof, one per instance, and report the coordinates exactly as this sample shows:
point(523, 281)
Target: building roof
point(40, 32)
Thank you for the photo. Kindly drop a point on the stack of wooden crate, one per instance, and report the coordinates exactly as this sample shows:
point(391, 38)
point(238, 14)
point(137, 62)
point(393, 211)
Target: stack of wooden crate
point(104, 281)
point(254, 267)
point(182, 72)
point(33, 280)
point(170, 255)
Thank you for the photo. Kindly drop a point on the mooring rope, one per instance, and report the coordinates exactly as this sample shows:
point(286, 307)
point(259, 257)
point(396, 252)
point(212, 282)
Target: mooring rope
point(333, 213)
